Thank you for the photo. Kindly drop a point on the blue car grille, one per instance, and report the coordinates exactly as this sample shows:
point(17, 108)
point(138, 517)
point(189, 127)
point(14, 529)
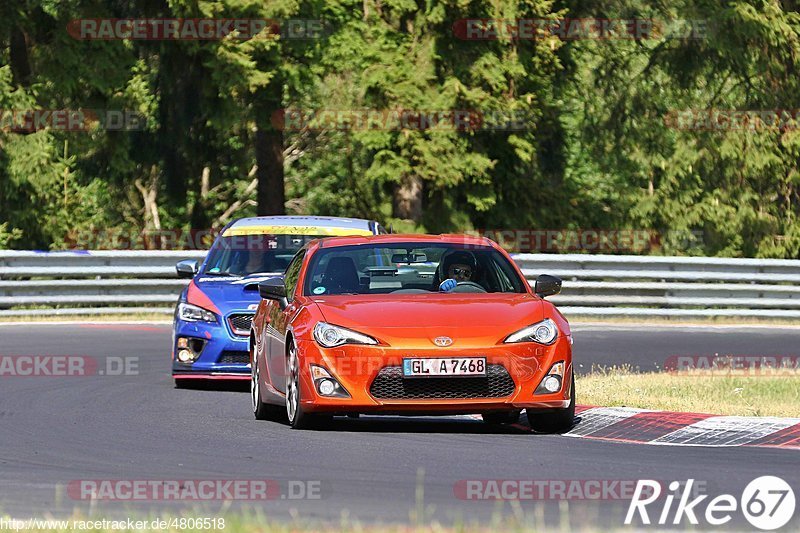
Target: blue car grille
point(240, 323)
point(234, 357)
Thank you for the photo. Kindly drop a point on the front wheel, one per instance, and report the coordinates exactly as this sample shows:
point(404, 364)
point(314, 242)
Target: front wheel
point(559, 421)
point(298, 418)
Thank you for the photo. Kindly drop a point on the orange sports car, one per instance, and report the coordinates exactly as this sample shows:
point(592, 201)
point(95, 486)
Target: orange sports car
point(410, 324)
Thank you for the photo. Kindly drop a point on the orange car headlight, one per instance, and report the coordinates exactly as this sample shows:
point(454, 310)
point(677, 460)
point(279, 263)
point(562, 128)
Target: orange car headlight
point(544, 332)
point(330, 336)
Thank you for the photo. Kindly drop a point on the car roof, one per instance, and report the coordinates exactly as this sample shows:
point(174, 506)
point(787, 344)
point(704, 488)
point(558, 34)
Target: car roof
point(310, 225)
point(445, 238)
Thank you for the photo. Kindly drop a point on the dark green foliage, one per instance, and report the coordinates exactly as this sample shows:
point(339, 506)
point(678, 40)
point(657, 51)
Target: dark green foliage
point(597, 149)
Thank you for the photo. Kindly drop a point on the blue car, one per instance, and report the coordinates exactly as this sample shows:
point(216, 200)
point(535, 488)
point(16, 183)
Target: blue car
point(212, 319)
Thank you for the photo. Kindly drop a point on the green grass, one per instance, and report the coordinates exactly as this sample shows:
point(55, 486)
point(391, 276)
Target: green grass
point(721, 395)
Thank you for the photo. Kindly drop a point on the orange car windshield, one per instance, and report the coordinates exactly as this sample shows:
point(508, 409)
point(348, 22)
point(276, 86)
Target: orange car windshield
point(409, 268)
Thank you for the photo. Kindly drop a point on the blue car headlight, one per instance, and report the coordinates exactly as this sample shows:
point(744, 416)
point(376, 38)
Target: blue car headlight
point(193, 313)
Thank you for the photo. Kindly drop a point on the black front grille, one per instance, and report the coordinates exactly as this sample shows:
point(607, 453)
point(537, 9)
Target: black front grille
point(389, 384)
point(240, 323)
point(231, 357)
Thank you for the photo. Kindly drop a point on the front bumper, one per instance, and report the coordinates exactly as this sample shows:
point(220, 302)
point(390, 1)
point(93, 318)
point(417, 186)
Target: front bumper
point(223, 355)
point(357, 367)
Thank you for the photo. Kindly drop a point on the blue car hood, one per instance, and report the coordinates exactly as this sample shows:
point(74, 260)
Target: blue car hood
point(232, 294)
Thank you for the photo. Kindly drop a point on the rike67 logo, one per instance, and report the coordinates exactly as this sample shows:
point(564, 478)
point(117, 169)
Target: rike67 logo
point(767, 502)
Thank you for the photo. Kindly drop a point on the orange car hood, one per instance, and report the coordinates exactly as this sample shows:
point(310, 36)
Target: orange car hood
point(469, 319)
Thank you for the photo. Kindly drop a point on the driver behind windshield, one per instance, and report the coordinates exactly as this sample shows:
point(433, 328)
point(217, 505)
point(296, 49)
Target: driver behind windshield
point(457, 267)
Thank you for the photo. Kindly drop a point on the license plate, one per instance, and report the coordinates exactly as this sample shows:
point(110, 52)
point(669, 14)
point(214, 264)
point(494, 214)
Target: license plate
point(445, 366)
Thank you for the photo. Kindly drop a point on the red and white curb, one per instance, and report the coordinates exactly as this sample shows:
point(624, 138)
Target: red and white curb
point(666, 428)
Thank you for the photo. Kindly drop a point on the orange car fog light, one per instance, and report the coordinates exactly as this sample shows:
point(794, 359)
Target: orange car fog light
point(326, 387)
point(551, 384)
point(552, 381)
point(326, 384)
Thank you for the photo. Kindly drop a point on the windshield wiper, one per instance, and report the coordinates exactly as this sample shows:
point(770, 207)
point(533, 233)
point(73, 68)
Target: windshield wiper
point(221, 274)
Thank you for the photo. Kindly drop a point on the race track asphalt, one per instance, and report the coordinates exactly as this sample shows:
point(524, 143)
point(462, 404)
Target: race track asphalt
point(54, 430)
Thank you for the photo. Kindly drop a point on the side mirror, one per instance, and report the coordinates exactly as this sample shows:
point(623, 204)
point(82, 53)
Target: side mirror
point(273, 289)
point(547, 286)
point(186, 268)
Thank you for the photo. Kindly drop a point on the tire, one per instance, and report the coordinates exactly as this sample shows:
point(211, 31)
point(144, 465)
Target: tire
point(261, 410)
point(559, 421)
point(508, 417)
point(298, 418)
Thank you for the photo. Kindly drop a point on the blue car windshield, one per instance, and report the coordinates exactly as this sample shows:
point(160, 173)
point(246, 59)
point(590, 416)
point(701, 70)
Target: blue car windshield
point(409, 268)
point(244, 255)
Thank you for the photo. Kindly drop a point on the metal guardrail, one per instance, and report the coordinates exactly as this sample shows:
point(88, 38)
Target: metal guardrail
point(112, 282)
point(90, 282)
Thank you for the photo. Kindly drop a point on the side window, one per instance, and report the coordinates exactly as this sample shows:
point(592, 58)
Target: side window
point(292, 273)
